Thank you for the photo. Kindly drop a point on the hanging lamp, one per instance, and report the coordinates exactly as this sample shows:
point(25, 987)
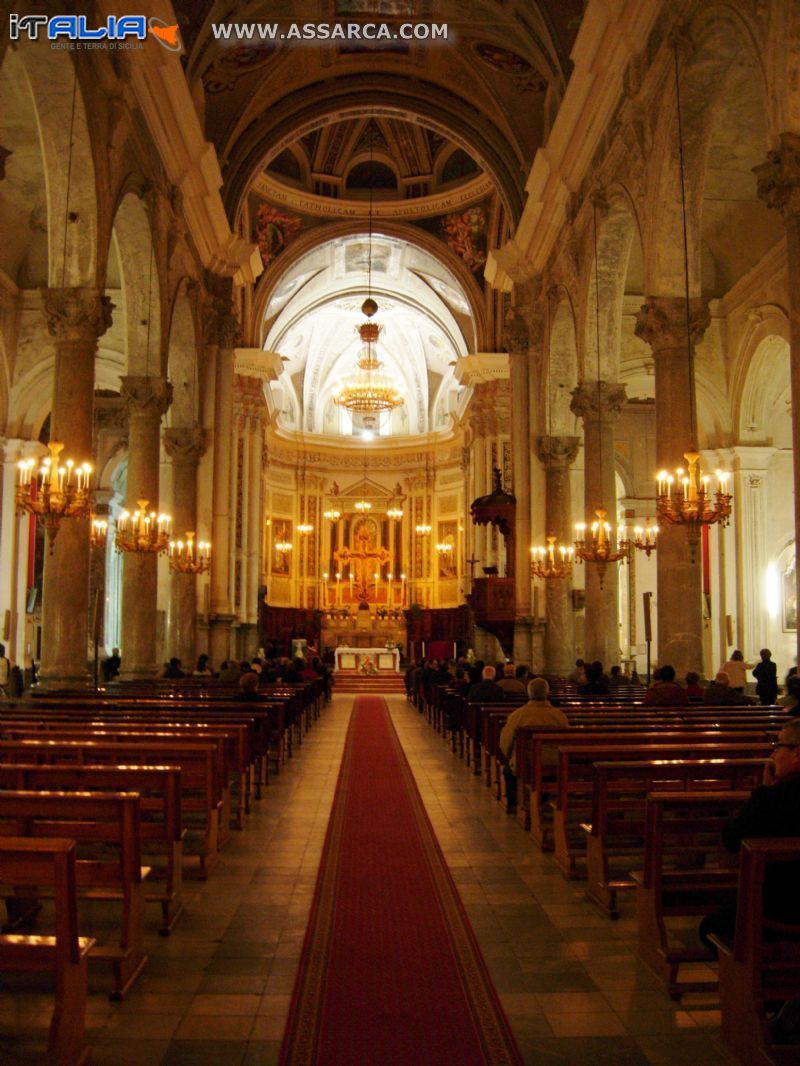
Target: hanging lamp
point(685, 497)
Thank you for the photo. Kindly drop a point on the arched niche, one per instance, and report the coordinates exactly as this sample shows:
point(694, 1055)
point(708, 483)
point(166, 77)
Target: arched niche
point(765, 415)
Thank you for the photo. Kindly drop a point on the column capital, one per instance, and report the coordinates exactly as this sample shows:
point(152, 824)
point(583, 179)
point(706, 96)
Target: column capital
point(521, 332)
point(220, 324)
point(146, 395)
point(185, 444)
point(76, 314)
point(661, 322)
point(598, 401)
point(779, 178)
point(557, 452)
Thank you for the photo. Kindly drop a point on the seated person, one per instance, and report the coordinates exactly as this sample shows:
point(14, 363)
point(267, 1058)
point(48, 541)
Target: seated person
point(773, 810)
point(666, 692)
point(719, 693)
point(174, 668)
point(694, 690)
point(510, 683)
point(538, 711)
point(596, 683)
point(486, 690)
point(791, 701)
point(248, 686)
point(617, 679)
point(578, 675)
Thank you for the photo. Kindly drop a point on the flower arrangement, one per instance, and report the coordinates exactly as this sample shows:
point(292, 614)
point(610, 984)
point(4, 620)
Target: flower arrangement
point(367, 665)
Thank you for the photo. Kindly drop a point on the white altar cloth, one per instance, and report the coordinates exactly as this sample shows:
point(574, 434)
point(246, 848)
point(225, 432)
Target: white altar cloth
point(385, 659)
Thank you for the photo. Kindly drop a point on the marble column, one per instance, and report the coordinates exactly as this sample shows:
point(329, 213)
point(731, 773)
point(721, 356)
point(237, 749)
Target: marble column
point(185, 447)
point(13, 549)
point(520, 456)
point(662, 324)
point(599, 405)
point(147, 398)
point(557, 454)
point(225, 334)
point(255, 525)
point(779, 188)
point(76, 317)
point(752, 521)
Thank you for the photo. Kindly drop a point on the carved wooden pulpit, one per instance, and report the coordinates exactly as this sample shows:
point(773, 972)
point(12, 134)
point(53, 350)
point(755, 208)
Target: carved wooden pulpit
point(493, 599)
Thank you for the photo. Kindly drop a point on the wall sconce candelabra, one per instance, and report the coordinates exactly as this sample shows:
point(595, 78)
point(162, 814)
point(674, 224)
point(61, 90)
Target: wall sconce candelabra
point(188, 557)
point(423, 529)
point(644, 537)
point(599, 548)
point(552, 562)
point(332, 516)
point(98, 533)
point(143, 532)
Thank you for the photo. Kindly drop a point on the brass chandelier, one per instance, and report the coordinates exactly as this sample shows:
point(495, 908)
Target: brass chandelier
point(368, 391)
point(685, 498)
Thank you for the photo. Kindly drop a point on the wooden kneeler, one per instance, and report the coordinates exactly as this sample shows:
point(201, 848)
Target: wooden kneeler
point(45, 862)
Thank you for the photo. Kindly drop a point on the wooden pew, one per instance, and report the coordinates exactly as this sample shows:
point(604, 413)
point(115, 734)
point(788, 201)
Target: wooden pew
point(687, 872)
point(159, 788)
point(615, 835)
point(763, 964)
point(26, 863)
point(201, 801)
point(230, 739)
point(573, 804)
point(543, 759)
point(105, 825)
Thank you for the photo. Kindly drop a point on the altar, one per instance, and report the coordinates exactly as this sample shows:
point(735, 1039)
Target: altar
point(385, 660)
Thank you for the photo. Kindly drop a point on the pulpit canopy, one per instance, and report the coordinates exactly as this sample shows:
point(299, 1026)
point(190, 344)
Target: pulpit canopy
point(499, 508)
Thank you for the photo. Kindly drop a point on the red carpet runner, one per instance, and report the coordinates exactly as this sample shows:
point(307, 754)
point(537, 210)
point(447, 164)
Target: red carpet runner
point(391, 973)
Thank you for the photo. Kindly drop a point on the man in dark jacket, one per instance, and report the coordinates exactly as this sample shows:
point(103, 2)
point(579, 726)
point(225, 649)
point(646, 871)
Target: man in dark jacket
point(766, 675)
point(486, 690)
point(773, 810)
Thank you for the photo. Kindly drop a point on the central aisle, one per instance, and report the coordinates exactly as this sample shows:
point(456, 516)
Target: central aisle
point(217, 992)
point(390, 970)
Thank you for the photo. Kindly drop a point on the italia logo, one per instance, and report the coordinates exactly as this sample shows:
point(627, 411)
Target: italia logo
point(75, 28)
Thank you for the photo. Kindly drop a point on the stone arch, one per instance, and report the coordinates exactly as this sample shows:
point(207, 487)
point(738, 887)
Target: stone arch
point(53, 83)
point(765, 338)
point(423, 103)
point(310, 239)
point(140, 287)
point(618, 236)
point(563, 367)
point(182, 360)
point(709, 63)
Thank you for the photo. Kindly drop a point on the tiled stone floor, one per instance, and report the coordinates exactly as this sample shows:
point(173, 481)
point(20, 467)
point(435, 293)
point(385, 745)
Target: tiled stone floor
point(217, 991)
